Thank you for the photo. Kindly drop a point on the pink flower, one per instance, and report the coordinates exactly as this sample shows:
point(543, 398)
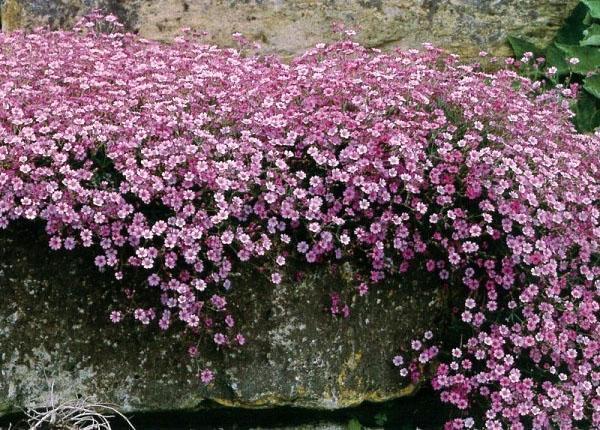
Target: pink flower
point(193, 351)
point(206, 376)
point(220, 339)
point(116, 316)
point(55, 243)
point(241, 340)
point(363, 289)
point(218, 302)
point(276, 278)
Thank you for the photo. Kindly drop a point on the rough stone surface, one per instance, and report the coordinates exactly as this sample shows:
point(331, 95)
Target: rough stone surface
point(54, 330)
point(288, 27)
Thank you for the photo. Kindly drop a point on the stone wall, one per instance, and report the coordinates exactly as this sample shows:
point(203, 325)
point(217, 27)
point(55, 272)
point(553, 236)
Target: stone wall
point(53, 311)
point(289, 26)
point(54, 329)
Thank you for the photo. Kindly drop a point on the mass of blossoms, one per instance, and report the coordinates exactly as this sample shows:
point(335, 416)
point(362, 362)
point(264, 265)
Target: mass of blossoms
point(185, 161)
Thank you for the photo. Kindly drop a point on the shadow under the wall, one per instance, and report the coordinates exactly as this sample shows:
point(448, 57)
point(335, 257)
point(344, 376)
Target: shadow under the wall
point(422, 411)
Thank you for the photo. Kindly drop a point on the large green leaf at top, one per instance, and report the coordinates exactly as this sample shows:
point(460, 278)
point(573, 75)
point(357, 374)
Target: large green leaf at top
point(592, 85)
point(572, 30)
point(521, 46)
point(593, 6)
point(589, 57)
point(592, 36)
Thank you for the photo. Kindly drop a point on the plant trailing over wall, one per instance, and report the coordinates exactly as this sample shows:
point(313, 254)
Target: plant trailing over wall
point(185, 161)
point(573, 56)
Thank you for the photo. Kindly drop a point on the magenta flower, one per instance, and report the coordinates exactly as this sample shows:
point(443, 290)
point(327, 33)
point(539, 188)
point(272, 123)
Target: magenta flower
point(116, 316)
point(207, 376)
point(241, 340)
point(220, 339)
point(276, 278)
point(363, 289)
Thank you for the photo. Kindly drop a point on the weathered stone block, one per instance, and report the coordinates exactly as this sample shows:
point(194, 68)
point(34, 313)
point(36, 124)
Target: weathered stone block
point(54, 328)
point(288, 27)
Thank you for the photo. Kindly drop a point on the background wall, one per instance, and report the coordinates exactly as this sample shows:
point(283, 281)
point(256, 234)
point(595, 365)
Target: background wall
point(288, 27)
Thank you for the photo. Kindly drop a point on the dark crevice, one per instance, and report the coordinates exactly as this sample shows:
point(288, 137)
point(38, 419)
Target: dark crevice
point(423, 411)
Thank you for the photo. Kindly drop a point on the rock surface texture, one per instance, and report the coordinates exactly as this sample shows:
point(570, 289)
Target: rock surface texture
point(287, 27)
point(54, 330)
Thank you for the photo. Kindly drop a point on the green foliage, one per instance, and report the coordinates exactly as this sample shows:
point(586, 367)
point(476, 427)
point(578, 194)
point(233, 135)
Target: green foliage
point(354, 424)
point(381, 418)
point(579, 38)
point(593, 6)
point(574, 26)
point(587, 112)
point(589, 57)
point(555, 57)
point(592, 85)
point(521, 46)
point(591, 36)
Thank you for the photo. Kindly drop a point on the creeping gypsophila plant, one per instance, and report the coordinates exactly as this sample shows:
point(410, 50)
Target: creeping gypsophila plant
point(186, 161)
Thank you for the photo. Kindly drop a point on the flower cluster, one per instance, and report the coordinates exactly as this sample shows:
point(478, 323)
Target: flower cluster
point(184, 161)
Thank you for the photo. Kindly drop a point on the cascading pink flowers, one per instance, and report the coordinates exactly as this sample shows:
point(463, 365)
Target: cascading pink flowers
point(184, 160)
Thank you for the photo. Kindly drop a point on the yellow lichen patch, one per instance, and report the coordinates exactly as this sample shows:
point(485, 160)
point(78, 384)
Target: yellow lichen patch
point(350, 364)
point(349, 397)
point(266, 401)
point(345, 398)
point(11, 14)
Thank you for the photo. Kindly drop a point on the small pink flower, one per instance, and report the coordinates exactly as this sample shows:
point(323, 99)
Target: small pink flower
point(55, 243)
point(241, 340)
point(220, 339)
point(193, 351)
point(276, 278)
point(363, 289)
point(207, 376)
point(116, 316)
point(218, 302)
point(416, 345)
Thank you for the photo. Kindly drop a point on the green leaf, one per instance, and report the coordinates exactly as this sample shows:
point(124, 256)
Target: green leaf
point(521, 46)
point(572, 30)
point(516, 84)
point(592, 85)
point(555, 57)
point(589, 57)
point(587, 112)
point(354, 424)
point(380, 418)
point(593, 6)
point(592, 36)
